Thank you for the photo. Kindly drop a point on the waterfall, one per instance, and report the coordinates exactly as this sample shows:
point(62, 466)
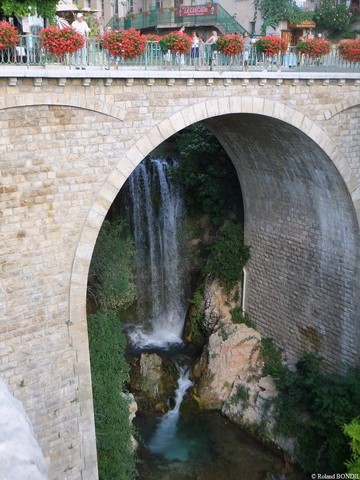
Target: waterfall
point(157, 216)
point(165, 441)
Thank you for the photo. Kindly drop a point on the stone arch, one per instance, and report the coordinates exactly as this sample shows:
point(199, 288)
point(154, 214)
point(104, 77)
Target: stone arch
point(140, 149)
point(347, 102)
point(196, 113)
point(67, 100)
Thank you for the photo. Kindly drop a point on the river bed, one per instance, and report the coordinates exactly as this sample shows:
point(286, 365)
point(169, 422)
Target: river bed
point(207, 446)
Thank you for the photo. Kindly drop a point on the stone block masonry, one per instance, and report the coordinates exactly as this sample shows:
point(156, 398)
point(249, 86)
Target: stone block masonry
point(69, 142)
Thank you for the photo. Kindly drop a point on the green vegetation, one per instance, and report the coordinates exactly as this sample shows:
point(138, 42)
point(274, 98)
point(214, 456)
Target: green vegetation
point(207, 176)
point(112, 287)
point(335, 20)
point(274, 11)
point(352, 430)
point(22, 8)
point(312, 407)
point(110, 372)
point(241, 395)
point(228, 256)
point(239, 316)
point(197, 330)
point(111, 272)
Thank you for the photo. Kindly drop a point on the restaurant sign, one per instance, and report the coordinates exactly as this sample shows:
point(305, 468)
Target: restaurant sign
point(197, 11)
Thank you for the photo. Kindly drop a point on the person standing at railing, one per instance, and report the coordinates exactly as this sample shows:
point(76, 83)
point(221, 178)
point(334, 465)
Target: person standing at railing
point(195, 46)
point(82, 27)
point(180, 58)
point(212, 40)
point(247, 47)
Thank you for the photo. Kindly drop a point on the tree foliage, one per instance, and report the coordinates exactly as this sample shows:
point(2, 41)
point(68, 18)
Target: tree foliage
point(111, 269)
point(274, 11)
point(22, 8)
point(228, 256)
point(207, 176)
point(312, 407)
point(352, 430)
point(110, 372)
point(334, 19)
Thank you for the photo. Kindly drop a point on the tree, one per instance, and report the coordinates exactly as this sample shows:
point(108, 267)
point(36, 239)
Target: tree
point(335, 20)
point(274, 11)
point(22, 8)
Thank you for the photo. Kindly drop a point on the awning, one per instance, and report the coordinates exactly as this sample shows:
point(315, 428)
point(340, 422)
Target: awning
point(66, 7)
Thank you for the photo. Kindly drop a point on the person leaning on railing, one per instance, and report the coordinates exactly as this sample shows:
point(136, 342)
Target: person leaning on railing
point(82, 27)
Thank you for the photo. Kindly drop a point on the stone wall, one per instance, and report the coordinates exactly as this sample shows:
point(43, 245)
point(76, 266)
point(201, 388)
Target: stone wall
point(67, 146)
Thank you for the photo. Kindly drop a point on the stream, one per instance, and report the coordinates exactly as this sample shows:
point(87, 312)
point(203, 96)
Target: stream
point(177, 445)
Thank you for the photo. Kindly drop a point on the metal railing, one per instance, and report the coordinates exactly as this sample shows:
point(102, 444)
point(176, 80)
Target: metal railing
point(30, 53)
point(160, 17)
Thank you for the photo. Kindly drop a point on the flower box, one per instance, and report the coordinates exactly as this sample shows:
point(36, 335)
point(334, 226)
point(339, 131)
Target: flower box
point(314, 48)
point(271, 46)
point(350, 50)
point(59, 42)
point(176, 42)
point(230, 44)
point(9, 35)
point(124, 43)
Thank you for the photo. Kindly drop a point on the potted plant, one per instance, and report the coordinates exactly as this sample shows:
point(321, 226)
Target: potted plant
point(176, 43)
point(59, 42)
point(124, 43)
point(230, 44)
point(9, 35)
point(350, 50)
point(314, 48)
point(271, 46)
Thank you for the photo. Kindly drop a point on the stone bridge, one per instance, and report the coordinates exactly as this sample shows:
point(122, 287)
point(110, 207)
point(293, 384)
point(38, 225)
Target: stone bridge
point(69, 140)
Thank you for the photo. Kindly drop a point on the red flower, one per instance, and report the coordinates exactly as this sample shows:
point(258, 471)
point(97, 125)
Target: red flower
point(350, 50)
point(176, 43)
point(271, 46)
point(151, 37)
point(59, 42)
point(9, 35)
point(315, 48)
point(231, 44)
point(124, 43)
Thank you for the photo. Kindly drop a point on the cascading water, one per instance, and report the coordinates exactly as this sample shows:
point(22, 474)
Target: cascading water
point(157, 216)
point(165, 441)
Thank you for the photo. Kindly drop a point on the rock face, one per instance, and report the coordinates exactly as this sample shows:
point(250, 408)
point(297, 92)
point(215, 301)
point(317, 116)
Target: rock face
point(20, 455)
point(229, 372)
point(152, 381)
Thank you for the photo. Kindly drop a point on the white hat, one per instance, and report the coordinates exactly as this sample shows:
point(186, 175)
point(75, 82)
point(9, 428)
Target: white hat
point(79, 15)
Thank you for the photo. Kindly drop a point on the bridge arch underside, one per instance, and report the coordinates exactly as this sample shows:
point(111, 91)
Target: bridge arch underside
point(302, 228)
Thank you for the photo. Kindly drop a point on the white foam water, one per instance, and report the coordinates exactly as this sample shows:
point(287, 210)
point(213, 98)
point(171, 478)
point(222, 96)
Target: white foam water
point(157, 217)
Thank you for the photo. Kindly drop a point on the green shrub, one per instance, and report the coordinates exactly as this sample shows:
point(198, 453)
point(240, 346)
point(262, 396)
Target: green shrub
point(312, 407)
point(228, 256)
point(239, 316)
point(111, 269)
point(110, 372)
point(352, 430)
